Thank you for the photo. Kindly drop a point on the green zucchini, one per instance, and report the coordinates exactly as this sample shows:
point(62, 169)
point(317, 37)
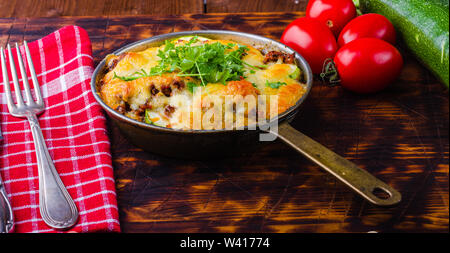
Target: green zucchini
point(423, 26)
point(147, 117)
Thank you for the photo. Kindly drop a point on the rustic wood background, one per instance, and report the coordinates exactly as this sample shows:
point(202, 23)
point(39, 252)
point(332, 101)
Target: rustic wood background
point(400, 135)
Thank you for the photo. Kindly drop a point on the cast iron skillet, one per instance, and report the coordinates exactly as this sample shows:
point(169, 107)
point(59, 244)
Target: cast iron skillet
point(199, 144)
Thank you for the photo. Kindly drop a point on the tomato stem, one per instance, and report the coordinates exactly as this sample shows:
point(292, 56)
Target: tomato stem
point(329, 73)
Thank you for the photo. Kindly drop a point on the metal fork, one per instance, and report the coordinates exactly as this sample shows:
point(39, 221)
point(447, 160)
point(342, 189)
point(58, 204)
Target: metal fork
point(56, 206)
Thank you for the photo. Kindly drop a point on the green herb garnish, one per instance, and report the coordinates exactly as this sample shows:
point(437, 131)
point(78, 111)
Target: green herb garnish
point(190, 86)
point(275, 85)
point(209, 63)
point(134, 76)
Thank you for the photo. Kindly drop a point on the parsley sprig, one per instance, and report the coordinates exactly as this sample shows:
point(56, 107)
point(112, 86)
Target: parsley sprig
point(208, 62)
point(135, 75)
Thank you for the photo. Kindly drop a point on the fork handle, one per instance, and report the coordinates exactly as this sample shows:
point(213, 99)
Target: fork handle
point(57, 208)
point(6, 213)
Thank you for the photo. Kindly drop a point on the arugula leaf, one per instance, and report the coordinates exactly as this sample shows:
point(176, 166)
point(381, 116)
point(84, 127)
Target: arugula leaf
point(275, 85)
point(190, 86)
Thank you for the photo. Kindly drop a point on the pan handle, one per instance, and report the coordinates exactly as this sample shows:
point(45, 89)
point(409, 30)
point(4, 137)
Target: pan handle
point(358, 179)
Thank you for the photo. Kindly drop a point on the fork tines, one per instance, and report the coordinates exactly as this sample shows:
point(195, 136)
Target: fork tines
point(14, 108)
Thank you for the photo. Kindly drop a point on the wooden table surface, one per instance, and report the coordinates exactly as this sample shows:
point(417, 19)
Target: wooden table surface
point(399, 135)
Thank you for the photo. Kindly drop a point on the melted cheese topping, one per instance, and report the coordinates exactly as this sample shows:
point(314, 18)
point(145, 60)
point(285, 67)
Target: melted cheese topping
point(166, 101)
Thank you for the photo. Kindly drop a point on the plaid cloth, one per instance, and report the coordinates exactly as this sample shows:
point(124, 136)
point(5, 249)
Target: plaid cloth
point(74, 129)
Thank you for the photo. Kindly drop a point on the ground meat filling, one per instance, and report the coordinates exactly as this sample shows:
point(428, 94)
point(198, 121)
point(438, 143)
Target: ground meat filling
point(179, 84)
point(153, 90)
point(112, 64)
point(123, 107)
point(166, 90)
point(141, 110)
point(168, 110)
point(273, 56)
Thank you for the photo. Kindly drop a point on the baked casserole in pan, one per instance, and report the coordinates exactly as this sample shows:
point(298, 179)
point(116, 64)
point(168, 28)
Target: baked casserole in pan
point(157, 85)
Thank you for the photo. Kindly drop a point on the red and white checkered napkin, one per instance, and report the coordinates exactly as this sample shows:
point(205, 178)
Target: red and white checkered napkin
point(74, 129)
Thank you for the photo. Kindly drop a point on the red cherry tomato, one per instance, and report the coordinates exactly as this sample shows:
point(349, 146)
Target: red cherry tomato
point(311, 39)
point(334, 13)
point(370, 25)
point(368, 65)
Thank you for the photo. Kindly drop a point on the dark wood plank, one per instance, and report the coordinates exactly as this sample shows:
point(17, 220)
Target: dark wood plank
point(400, 135)
point(166, 7)
point(226, 6)
point(51, 8)
point(58, 8)
point(7, 8)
